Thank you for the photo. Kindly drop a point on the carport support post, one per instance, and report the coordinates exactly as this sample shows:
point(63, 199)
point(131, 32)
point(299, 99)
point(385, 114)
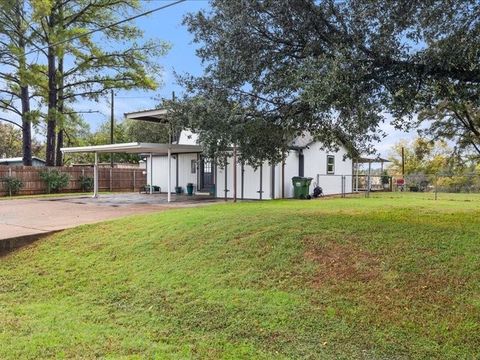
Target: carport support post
point(95, 177)
point(356, 171)
point(151, 173)
point(234, 173)
point(169, 174)
point(369, 178)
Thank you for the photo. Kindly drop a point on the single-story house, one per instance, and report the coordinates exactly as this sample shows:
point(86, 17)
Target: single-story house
point(181, 162)
point(306, 158)
point(18, 161)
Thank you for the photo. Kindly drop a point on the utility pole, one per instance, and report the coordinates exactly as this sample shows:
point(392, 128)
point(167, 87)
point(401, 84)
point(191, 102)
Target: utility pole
point(112, 124)
point(172, 132)
point(403, 162)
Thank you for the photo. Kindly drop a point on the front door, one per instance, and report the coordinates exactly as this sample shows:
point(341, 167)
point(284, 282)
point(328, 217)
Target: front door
point(207, 180)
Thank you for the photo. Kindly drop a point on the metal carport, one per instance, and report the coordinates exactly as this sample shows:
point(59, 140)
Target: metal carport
point(135, 148)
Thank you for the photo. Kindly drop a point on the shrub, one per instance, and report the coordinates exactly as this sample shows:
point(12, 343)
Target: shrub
point(385, 178)
point(12, 185)
point(54, 180)
point(86, 183)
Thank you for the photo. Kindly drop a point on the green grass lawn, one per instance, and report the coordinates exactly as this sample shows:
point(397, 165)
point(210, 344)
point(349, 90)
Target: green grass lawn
point(390, 277)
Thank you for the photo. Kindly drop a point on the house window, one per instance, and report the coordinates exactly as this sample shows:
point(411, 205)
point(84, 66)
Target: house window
point(330, 164)
point(193, 166)
point(207, 167)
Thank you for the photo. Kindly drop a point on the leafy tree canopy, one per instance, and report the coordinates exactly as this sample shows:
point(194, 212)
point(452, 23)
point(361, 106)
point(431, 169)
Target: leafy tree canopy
point(11, 142)
point(333, 68)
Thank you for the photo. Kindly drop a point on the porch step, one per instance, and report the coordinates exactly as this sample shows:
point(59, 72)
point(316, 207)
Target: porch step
point(205, 193)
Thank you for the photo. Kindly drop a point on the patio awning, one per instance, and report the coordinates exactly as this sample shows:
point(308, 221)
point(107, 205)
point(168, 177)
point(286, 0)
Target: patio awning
point(135, 148)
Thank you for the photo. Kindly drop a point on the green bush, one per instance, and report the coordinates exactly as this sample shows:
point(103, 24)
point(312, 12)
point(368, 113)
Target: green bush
point(12, 184)
point(54, 180)
point(385, 178)
point(86, 183)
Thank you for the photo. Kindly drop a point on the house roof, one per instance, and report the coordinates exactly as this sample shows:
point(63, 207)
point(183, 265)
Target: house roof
point(19, 159)
point(152, 115)
point(366, 160)
point(135, 148)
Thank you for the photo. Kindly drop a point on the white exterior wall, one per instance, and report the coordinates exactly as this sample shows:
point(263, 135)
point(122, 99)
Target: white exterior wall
point(315, 160)
point(185, 174)
point(251, 182)
point(188, 138)
point(315, 166)
point(160, 171)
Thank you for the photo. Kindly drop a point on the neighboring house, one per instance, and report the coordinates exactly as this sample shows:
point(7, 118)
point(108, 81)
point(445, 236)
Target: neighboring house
point(306, 158)
point(18, 161)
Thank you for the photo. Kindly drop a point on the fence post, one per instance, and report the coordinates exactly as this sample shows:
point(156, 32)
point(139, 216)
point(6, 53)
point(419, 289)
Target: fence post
point(134, 173)
point(111, 179)
point(10, 175)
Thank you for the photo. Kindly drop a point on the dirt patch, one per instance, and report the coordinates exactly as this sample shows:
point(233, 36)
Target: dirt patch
point(342, 262)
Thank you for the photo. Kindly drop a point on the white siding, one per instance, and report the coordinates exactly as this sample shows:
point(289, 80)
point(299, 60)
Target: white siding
point(185, 174)
point(316, 164)
point(160, 171)
point(251, 182)
point(188, 138)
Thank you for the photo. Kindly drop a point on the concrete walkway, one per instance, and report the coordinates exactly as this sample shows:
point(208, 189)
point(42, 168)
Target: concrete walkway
point(24, 218)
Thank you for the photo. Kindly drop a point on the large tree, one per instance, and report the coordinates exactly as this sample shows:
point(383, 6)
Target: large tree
point(335, 68)
point(18, 71)
point(110, 58)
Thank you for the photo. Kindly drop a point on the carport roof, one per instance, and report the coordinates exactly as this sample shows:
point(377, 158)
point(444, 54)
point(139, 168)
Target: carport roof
point(135, 148)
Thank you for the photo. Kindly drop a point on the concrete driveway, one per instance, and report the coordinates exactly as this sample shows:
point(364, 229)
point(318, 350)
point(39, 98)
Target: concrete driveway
point(30, 218)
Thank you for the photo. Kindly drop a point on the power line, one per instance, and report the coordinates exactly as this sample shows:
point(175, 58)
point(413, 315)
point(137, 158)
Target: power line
point(107, 26)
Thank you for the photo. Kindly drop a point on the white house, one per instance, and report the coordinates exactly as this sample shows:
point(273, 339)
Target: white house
point(181, 162)
point(332, 170)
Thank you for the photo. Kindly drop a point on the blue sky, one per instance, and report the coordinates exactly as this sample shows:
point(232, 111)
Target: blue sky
point(164, 25)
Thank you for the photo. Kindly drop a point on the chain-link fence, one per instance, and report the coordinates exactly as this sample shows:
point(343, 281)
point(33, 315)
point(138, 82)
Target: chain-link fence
point(431, 186)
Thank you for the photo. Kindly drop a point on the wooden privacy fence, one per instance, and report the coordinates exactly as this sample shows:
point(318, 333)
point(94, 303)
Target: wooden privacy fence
point(109, 179)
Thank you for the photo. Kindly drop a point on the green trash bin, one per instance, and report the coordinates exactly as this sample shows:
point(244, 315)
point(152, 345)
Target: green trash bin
point(301, 185)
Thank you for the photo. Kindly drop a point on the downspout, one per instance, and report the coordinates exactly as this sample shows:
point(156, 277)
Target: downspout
point(301, 163)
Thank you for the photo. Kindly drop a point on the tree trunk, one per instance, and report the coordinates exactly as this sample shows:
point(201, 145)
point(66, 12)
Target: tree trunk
point(26, 127)
point(59, 156)
point(60, 134)
point(52, 106)
point(24, 93)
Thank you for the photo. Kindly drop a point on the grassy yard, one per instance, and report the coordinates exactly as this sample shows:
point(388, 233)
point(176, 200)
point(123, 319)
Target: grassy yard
point(393, 276)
